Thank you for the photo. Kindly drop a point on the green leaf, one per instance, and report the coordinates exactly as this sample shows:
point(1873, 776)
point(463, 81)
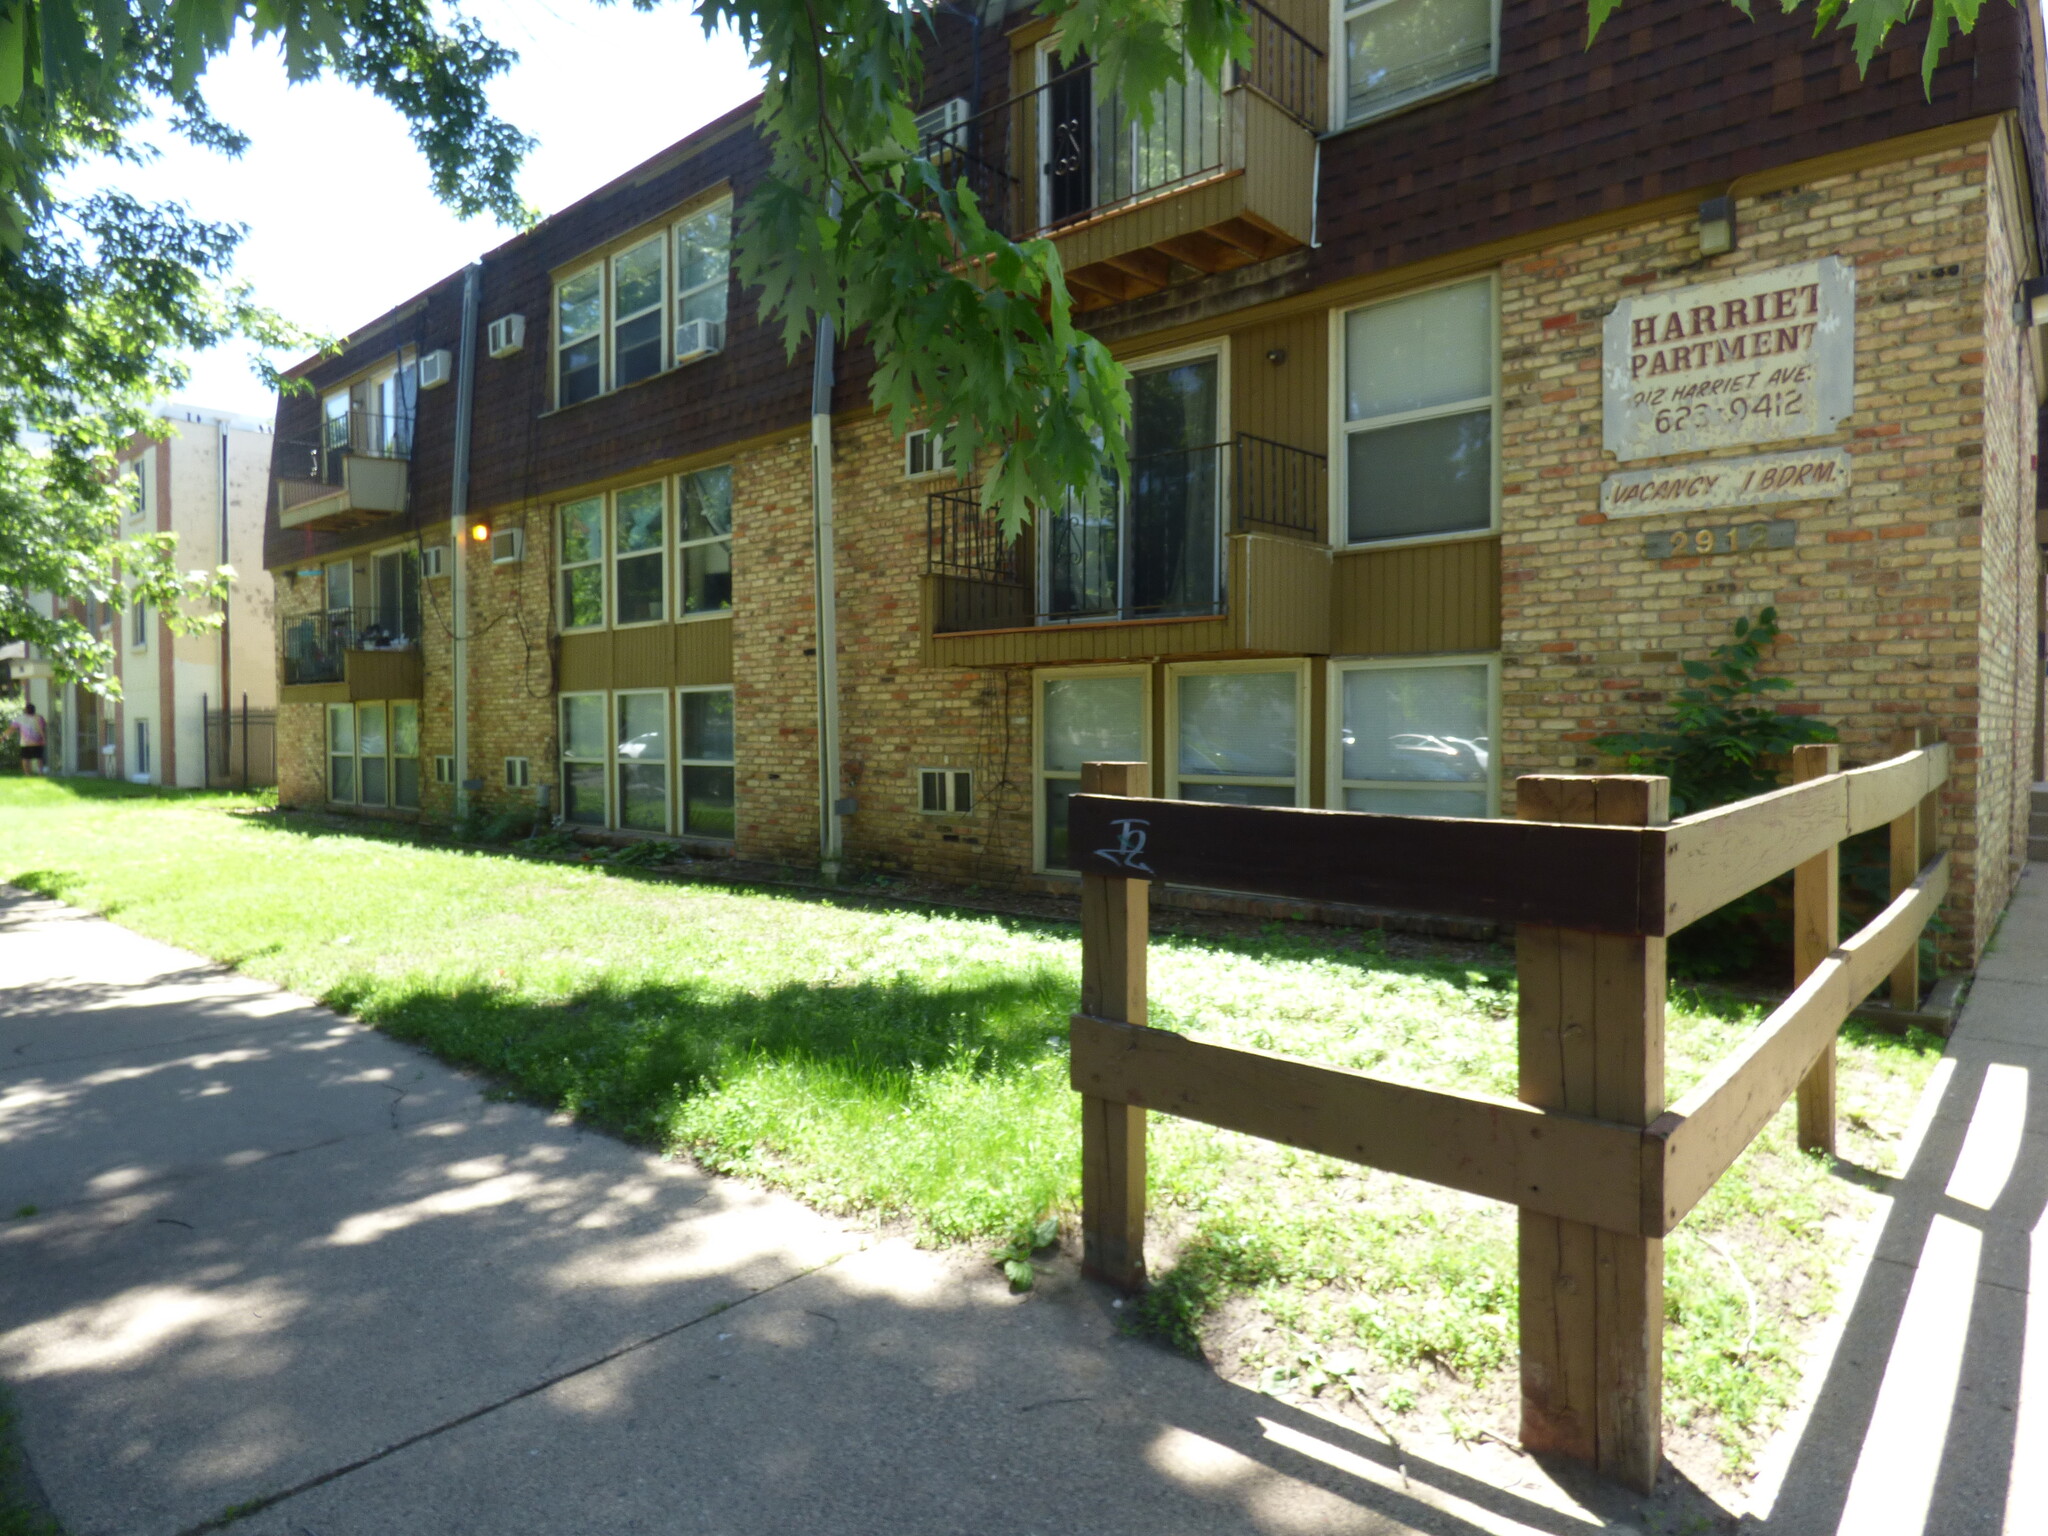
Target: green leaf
point(1020, 1272)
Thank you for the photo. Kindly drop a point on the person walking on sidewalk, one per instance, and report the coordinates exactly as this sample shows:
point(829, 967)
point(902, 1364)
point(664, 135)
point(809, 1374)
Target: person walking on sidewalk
point(29, 725)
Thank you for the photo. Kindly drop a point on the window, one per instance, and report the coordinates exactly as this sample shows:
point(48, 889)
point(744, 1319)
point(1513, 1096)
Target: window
point(582, 557)
point(1419, 405)
point(583, 758)
point(142, 765)
point(707, 762)
point(138, 636)
point(1237, 733)
point(1415, 738)
point(372, 415)
point(945, 790)
point(636, 313)
point(924, 454)
point(1094, 716)
point(518, 773)
point(444, 770)
point(1399, 51)
point(138, 493)
point(703, 261)
point(639, 529)
point(705, 526)
point(620, 320)
point(579, 353)
point(642, 790)
point(405, 754)
point(341, 753)
point(372, 748)
point(395, 583)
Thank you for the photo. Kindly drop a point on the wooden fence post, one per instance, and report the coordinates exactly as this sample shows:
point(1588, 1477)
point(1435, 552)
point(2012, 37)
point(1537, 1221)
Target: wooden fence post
point(1906, 862)
point(1816, 929)
point(1114, 919)
point(1591, 1036)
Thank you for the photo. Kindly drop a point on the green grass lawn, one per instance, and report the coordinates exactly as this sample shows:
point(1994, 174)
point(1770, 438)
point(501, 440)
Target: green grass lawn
point(911, 1067)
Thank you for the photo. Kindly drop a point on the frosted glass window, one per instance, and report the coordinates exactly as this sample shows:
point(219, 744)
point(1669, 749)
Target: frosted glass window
point(1416, 740)
point(1083, 720)
point(1419, 407)
point(1093, 720)
point(1398, 51)
point(1433, 348)
point(1240, 726)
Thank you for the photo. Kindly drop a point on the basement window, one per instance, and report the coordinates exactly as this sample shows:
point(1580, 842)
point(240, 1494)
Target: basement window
point(945, 790)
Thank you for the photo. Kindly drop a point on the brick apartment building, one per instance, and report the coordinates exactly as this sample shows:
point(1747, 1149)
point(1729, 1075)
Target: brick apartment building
point(1479, 378)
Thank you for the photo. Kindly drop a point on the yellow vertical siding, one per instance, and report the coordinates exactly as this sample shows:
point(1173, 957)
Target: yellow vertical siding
point(1417, 599)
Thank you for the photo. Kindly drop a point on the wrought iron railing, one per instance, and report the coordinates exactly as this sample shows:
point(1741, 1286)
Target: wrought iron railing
point(1152, 549)
point(314, 646)
point(317, 461)
point(1069, 150)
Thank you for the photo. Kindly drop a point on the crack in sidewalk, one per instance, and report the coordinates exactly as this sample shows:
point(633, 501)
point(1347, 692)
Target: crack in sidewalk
point(236, 1513)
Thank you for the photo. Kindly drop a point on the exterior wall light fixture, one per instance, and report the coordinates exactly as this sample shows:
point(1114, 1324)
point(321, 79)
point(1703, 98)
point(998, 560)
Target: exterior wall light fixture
point(480, 532)
point(1717, 226)
point(2031, 308)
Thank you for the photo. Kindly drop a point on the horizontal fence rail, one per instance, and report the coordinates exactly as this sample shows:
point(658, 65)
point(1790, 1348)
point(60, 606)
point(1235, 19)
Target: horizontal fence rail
point(1599, 1169)
point(1632, 880)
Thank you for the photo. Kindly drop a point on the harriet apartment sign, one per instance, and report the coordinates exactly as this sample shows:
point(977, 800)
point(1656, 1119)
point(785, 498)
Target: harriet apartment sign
point(1756, 359)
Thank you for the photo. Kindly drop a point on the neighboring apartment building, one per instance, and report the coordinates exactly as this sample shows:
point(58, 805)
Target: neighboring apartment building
point(1479, 378)
point(207, 481)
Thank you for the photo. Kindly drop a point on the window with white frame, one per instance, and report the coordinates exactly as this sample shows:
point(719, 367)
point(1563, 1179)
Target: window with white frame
point(1083, 717)
point(579, 338)
point(1414, 737)
point(518, 773)
point(580, 551)
point(704, 263)
point(1397, 52)
point(373, 747)
point(138, 633)
point(924, 454)
point(444, 769)
point(707, 808)
point(641, 793)
point(584, 759)
point(639, 542)
point(945, 791)
point(1420, 401)
point(622, 318)
point(138, 493)
point(704, 523)
point(637, 283)
point(1237, 733)
point(141, 766)
point(405, 754)
point(341, 753)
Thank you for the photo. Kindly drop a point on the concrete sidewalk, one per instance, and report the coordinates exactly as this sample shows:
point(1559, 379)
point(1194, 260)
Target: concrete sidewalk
point(281, 1260)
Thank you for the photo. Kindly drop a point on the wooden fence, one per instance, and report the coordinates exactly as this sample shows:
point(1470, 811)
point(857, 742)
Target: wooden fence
point(1595, 876)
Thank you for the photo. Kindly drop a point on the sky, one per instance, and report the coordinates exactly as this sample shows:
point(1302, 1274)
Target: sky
point(342, 222)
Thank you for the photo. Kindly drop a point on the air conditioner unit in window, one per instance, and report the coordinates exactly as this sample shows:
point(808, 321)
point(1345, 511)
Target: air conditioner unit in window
point(436, 368)
point(699, 338)
point(507, 335)
point(434, 561)
point(938, 123)
point(508, 546)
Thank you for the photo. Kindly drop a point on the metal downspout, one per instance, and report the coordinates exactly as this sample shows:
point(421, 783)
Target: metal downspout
point(458, 514)
point(831, 807)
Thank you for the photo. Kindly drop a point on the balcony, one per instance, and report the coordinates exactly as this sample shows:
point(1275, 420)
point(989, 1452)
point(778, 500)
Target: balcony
point(1215, 180)
point(1212, 550)
point(353, 473)
point(352, 653)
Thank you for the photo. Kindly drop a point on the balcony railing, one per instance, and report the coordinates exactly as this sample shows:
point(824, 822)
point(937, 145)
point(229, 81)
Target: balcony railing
point(315, 468)
point(1153, 550)
point(1072, 149)
point(316, 647)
